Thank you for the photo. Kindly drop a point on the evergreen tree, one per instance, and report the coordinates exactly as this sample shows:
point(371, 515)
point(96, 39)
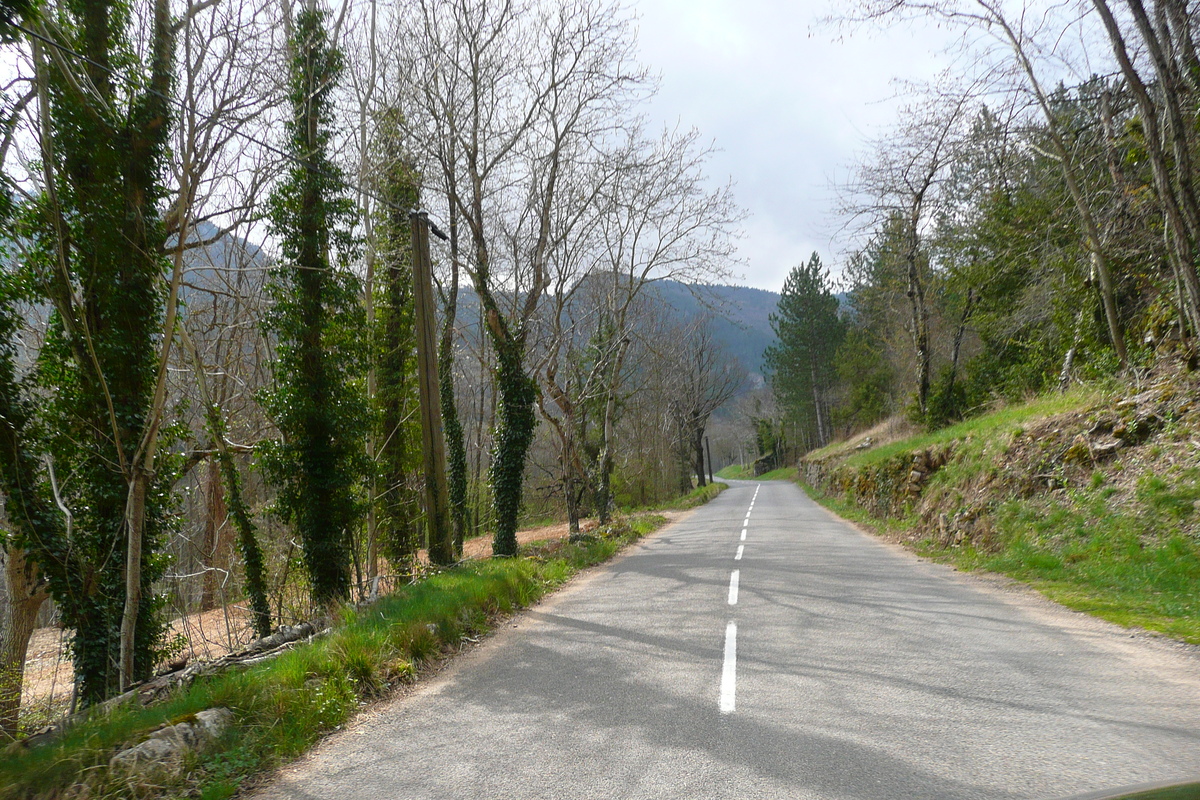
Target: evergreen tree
point(318, 400)
point(808, 331)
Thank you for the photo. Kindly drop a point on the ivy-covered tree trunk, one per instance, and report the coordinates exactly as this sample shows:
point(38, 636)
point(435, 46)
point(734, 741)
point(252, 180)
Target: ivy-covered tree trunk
point(318, 401)
point(456, 451)
point(239, 514)
point(515, 423)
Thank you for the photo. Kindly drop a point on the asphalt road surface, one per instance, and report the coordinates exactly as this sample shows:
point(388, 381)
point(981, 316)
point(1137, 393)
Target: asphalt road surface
point(761, 648)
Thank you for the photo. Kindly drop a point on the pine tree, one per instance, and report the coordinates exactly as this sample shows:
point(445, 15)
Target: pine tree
point(808, 332)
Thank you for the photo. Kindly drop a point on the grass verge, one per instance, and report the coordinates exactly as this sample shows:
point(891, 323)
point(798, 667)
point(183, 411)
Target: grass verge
point(1127, 566)
point(696, 497)
point(1118, 539)
point(736, 472)
point(283, 706)
point(781, 474)
point(1120, 566)
point(986, 426)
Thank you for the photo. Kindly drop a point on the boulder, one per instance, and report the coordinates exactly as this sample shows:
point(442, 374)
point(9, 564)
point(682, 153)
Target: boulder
point(166, 746)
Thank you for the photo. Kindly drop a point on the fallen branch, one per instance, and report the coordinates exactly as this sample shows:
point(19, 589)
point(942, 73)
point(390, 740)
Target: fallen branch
point(158, 687)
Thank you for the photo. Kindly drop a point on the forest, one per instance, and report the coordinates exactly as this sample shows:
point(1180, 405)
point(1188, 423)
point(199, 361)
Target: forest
point(210, 397)
point(1030, 223)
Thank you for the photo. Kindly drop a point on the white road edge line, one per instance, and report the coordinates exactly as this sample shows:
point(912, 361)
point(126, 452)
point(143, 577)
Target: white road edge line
point(729, 670)
point(738, 557)
point(733, 586)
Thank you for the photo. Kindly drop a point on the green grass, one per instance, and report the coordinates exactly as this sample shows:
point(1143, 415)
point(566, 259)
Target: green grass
point(696, 497)
point(1134, 562)
point(736, 472)
point(843, 509)
point(739, 473)
point(283, 706)
point(781, 474)
point(1124, 567)
point(1135, 566)
point(999, 423)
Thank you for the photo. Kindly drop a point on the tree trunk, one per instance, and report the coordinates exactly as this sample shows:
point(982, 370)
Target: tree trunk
point(604, 479)
point(920, 323)
point(698, 455)
point(1175, 192)
point(818, 408)
point(216, 538)
point(135, 524)
point(571, 496)
point(956, 350)
point(1064, 375)
point(604, 500)
point(514, 433)
point(708, 452)
point(456, 451)
point(25, 594)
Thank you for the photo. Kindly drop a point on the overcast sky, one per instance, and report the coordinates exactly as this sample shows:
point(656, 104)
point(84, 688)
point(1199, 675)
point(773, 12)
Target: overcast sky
point(789, 103)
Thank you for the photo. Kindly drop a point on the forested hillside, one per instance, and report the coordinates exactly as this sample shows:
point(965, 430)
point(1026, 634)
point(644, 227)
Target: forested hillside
point(740, 315)
point(742, 322)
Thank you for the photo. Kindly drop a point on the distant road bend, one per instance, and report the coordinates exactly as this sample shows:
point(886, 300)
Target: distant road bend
point(760, 648)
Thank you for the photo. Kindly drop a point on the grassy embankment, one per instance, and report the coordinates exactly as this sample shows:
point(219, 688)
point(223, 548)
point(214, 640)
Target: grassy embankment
point(740, 473)
point(1092, 497)
point(283, 706)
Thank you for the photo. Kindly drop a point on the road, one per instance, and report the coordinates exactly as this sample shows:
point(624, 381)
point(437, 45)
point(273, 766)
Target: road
point(760, 647)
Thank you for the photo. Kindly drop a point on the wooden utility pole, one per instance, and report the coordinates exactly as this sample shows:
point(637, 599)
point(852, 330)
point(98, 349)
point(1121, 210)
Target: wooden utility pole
point(437, 504)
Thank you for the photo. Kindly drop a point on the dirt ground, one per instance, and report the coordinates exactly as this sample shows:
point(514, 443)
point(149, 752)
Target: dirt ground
point(46, 689)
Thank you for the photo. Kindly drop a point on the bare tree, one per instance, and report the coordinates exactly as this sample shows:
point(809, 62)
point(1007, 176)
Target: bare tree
point(703, 378)
point(896, 195)
point(661, 222)
point(502, 100)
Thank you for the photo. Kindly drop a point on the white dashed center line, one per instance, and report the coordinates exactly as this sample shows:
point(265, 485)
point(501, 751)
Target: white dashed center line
point(729, 671)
